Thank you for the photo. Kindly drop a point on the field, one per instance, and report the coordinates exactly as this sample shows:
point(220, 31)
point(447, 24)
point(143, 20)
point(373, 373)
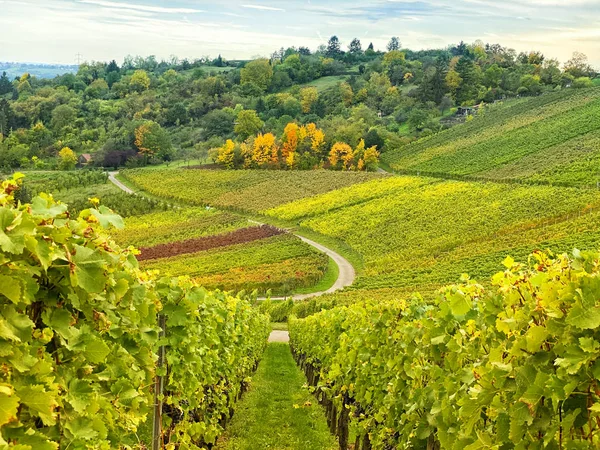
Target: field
point(549, 139)
point(324, 83)
point(241, 189)
point(77, 188)
point(393, 223)
point(278, 263)
point(177, 225)
point(402, 358)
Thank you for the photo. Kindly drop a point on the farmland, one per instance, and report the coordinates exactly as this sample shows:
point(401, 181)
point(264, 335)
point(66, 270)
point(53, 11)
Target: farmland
point(242, 190)
point(177, 225)
point(278, 263)
point(393, 223)
point(551, 139)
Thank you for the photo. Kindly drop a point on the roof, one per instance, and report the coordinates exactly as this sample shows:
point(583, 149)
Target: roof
point(86, 156)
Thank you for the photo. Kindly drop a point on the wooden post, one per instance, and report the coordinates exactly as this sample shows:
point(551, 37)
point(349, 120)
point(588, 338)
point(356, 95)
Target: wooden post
point(158, 390)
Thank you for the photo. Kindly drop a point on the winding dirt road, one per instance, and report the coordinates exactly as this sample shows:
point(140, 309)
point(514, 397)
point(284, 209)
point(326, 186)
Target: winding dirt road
point(346, 271)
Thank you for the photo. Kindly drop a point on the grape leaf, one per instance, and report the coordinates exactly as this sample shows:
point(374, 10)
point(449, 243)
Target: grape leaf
point(8, 408)
point(40, 402)
point(96, 351)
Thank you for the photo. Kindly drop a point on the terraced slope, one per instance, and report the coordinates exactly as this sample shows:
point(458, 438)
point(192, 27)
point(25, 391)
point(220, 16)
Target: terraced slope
point(554, 139)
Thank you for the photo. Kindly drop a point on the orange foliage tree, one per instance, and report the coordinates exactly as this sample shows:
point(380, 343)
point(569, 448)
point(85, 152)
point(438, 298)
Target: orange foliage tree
point(265, 150)
point(341, 156)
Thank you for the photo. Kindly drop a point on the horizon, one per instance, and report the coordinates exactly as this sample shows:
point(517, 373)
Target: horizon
point(56, 31)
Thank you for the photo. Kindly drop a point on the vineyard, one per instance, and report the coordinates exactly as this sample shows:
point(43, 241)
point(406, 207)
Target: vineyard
point(92, 326)
point(552, 139)
point(395, 224)
point(472, 369)
point(177, 225)
point(249, 190)
point(279, 263)
point(83, 332)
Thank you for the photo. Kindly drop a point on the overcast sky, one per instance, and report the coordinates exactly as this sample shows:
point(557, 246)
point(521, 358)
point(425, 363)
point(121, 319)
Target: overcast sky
point(56, 30)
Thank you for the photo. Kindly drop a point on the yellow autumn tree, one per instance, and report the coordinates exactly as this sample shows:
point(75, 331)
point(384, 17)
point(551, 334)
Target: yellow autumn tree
point(316, 136)
point(68, 159)
point(265, 150)
point(247, 150)
point(341, 156)
point(140, 81)
point(308, 97)
point(227, 154)
point(290, 143)
point(371, 159)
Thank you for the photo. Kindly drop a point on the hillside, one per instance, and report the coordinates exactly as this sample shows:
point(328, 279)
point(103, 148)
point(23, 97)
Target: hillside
point(393, 222)
point(553, 139)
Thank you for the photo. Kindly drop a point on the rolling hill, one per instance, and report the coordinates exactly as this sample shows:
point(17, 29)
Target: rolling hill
point(551, 139)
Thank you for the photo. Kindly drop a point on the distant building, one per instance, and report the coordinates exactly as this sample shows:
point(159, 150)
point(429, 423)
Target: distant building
point(84, 159)
point(468, 110)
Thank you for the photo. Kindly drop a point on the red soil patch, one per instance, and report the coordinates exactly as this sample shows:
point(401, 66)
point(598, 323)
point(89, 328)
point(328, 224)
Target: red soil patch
point(200, 244)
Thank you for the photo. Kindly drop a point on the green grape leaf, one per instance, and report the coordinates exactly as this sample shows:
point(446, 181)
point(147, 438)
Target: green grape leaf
point(535, 337)
point(89, 269)
point(96, 351)
point(107, 218)
point(81, 428)
point(46, 209)
point(584, 318)
point(8, 407)
point(10, 288)
point(460, 304)
point(40, 402)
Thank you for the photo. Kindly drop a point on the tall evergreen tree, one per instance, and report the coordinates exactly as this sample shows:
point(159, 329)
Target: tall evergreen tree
point(5, 84)
point(467, 90)
point(333, 47)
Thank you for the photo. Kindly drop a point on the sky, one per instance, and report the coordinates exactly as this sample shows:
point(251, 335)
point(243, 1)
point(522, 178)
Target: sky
point(55, 31)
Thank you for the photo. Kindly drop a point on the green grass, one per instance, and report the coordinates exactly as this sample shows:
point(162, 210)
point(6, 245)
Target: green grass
point(324, 83)
point(281, 326)
point(278, 412)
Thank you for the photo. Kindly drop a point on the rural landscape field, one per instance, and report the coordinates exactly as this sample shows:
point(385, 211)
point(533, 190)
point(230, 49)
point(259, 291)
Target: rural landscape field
point(357, 243)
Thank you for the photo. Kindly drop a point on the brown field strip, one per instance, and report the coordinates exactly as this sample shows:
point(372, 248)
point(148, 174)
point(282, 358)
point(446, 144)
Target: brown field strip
point(200, 244)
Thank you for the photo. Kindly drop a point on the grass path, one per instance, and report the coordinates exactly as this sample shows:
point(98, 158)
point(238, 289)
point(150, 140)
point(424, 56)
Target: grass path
point(277, 412)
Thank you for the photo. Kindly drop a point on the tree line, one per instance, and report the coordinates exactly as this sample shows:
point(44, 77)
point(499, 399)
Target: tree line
point(144, 111)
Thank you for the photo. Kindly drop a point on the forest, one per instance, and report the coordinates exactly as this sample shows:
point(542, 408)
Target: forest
point(144, 111)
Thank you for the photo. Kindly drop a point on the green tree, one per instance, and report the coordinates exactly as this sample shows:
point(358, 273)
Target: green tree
point(493, 76)
point(62, 116)
point(218, 123)
point(5, 84)
point(258, 72)
point(247, 124)
point(152, 140)
point(355, 47)
point(394, 44)
point(469, 86)
point(578, 66)
point(98, 89)
point(333, 47)
point(140, 81)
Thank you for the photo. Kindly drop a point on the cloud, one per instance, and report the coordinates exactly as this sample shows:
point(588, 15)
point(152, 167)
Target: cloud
point(137, 7)
point(262, 7)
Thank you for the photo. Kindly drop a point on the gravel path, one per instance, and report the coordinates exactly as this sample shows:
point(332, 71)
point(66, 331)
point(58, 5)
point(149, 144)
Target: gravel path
point(279, 336)
point(113, 180)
